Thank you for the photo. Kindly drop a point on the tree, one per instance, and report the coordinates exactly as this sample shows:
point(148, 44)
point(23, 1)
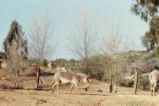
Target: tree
point(83, 44)
point(44, 63)
point(15, 35)
point(112, 51)
point(146, 9)
point(151, 38)
point(16, 49)
point(40, 45)
point(98, 67)
point(16, 62)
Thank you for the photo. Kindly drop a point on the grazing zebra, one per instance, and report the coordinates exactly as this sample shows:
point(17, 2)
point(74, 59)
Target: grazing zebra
point(154, 78)
point(73, 78)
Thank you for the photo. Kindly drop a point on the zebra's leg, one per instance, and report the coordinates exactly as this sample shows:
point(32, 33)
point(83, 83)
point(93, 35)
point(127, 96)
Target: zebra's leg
point(154, 87)
point(76, 84)
point(58, 86)
point(151, 89)
point(71, 88)
point(53, 87)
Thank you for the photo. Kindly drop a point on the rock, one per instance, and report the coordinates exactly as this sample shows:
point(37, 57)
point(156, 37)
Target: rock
point(99, 91)
point(40, 101)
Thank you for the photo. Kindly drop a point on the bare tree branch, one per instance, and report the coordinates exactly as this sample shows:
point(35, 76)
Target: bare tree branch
point(40, 37)
point(83, 45)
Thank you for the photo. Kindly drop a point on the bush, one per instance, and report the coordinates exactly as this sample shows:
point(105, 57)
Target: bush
point(44, 63)
point(97, 74)
point(144, 82)
point(126, 83)
point(156, 53)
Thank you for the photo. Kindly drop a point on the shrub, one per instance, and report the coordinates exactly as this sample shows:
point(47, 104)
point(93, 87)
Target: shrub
point(156, 53)
point(144, 82)
point(97, 74)
point(44, 63)
point(126, 83)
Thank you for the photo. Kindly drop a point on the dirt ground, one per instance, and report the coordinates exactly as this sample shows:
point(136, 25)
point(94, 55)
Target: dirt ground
point(27, 96)
point(124, 97)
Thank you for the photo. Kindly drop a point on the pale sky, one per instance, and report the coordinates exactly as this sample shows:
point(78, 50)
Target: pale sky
point(66, 14)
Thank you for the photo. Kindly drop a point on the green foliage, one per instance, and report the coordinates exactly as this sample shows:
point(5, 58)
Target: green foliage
point(14, 29)
point(44, 63)
point(144, 82)
point(71, 65)
point(156, 53)
point(97, 74)
point(126, 82)
point(147, 41)
point(151, 38)
point(97, 67)
point(60, 62)
point(15, 35)
point(146, 9)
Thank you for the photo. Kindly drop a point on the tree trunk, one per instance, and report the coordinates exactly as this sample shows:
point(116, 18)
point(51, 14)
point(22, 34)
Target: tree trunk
point(116, 87)
point(135, 82)
point(116, 78)
point(87, 71)
point(16, 80)
point(86, 68)
point(37, 77)
point(16, 85)
point(111, 87)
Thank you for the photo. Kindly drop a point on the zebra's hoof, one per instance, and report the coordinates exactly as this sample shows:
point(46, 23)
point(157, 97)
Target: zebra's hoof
point(86, 89)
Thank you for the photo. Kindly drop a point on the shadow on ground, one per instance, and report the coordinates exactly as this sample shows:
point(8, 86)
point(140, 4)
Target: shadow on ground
point(41, 74)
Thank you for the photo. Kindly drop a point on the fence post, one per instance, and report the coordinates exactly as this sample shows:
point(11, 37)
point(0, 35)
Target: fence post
point(135, 82)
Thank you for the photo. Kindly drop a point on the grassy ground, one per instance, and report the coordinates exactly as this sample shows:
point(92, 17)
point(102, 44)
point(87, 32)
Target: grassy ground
point(27, 96)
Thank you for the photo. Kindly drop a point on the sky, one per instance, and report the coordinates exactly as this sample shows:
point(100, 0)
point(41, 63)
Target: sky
point(66, 15)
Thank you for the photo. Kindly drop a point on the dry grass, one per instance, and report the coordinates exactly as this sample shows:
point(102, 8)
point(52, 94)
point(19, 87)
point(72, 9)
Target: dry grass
point(30, 97)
